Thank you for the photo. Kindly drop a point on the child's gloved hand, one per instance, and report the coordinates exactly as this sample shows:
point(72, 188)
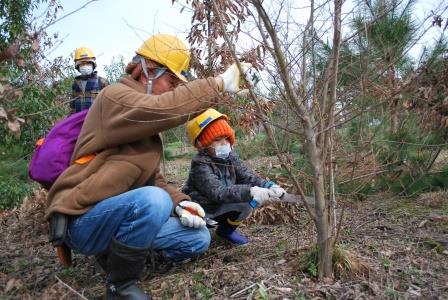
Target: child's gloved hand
point(191, 214)
point(259, 194)
point(275, 191)
point(232, 77)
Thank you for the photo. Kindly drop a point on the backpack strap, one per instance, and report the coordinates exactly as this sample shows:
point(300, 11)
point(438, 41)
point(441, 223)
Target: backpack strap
point(100, 83)
point(78, 83)
point(40, 142)
point(85, 159)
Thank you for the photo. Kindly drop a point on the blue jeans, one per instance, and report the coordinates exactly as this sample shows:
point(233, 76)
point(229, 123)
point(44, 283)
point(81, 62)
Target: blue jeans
point(138, 218)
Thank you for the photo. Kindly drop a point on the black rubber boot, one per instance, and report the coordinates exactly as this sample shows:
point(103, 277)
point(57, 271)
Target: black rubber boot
point(101, 260)
point(124, 265)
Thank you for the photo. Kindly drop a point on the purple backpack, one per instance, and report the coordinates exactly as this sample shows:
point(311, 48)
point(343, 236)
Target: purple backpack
point(53, 153)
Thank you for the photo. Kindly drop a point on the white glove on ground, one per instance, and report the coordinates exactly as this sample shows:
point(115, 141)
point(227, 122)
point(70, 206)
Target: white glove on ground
point(232, 78)
point(259, 194)
point(191, 214)
point(275, 191)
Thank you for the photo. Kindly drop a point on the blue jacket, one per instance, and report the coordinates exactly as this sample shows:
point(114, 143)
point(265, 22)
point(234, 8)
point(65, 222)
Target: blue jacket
point(82, 98)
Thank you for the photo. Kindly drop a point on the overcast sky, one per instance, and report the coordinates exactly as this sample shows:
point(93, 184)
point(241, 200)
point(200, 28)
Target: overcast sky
point(118, 27)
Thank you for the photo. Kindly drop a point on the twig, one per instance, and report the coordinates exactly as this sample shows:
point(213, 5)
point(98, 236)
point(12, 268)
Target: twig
point(412, 144)
point(243, 290)
point(362, 224)
point(339, 225)
point(251, 286)
point(70, 288)
point(441, 287)
point(67, 15)
point(368, 175)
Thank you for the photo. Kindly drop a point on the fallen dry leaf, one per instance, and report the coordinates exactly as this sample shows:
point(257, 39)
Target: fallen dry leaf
point(3, 113)
point(12, 283)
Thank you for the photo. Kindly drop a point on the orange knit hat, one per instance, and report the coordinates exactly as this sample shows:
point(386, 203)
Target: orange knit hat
point(217, 128)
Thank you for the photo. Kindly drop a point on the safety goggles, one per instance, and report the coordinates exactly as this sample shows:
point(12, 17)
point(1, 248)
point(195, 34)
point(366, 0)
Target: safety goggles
point(158, 72)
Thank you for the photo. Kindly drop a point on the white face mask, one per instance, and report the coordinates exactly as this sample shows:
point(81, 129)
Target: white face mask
point(223, 151)
point(86, 69)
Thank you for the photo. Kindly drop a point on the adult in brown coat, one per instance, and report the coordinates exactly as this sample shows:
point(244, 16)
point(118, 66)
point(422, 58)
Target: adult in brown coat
point(118, 202)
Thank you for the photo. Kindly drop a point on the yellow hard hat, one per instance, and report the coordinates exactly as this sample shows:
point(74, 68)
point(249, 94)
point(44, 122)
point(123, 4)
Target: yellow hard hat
point(197, 125)
point(84, 54)
point(169, 51)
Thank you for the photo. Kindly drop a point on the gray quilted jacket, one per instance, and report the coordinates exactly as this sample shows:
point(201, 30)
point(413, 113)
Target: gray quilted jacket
point(215, 181)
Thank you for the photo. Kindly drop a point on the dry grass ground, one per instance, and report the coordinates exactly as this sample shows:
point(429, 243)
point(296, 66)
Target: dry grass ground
point(401, 243)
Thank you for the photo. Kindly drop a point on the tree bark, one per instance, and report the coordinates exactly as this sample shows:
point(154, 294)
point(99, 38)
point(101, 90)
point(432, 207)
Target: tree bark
point(325, 246)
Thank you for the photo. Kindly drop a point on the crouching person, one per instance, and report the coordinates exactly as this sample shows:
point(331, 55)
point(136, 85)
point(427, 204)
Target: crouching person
point(116, 202)
point(219, 181)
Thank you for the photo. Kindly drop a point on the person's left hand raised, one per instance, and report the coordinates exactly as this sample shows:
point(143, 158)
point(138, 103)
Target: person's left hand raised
point(231, 78)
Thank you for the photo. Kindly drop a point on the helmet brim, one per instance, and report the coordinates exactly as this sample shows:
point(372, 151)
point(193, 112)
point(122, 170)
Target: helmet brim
point(181, 77)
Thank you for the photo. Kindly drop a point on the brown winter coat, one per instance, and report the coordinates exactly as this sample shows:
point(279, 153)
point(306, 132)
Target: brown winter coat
point(122, 128)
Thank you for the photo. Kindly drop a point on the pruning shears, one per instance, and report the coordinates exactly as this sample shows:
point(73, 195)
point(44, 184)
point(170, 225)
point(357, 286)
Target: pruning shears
point(210, 222)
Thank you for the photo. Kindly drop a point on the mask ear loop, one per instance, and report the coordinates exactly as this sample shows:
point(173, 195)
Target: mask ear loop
point(145, 70)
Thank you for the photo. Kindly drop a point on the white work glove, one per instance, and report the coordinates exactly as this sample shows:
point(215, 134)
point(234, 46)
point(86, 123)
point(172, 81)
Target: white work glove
point(252, 76)
point(232, 78)
point(275, 191)
point(191, 214)
point(259, 194)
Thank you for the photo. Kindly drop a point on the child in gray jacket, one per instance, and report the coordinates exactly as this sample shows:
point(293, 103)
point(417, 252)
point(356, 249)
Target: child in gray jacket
point(219, 181)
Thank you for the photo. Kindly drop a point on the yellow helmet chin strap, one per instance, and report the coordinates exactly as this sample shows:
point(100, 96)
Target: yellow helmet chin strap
point(145, 70)
point(157, 72)
point(234, 223)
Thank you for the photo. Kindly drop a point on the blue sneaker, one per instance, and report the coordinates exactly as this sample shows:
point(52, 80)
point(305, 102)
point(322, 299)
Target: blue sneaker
point(231, 235)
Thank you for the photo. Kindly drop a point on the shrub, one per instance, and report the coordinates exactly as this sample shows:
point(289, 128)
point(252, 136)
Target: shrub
point(14, 183)
point(13, 191)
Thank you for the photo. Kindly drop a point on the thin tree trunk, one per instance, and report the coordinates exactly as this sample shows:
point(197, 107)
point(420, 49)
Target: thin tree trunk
point(333, 97)
point(328, 218)
point(325, 252)
point(312, 146)
point(332, 190)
